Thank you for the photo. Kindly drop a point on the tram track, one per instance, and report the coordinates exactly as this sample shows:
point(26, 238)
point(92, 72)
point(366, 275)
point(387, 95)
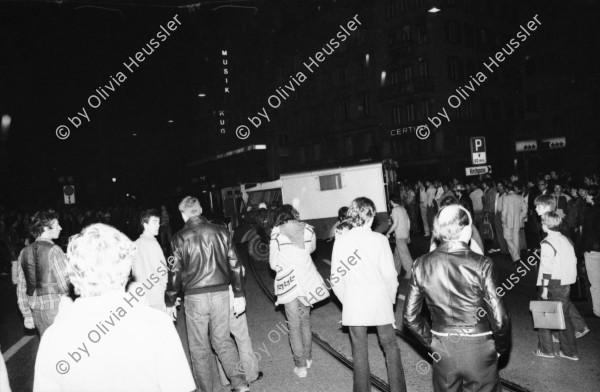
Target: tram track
point(376, 382)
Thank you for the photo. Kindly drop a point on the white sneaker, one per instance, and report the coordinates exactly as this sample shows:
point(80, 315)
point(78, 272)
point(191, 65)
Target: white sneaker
point(300, 371)
point(308, 363)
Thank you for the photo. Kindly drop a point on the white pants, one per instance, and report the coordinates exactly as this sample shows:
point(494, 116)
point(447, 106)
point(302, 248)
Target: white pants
point(592, 265)
point(511, 235)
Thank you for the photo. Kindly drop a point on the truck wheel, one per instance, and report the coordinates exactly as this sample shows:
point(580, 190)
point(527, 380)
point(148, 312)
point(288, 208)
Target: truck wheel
point(258, 249)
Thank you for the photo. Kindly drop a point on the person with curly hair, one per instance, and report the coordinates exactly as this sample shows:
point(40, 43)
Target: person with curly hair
point(109, 339)
point(364, 279)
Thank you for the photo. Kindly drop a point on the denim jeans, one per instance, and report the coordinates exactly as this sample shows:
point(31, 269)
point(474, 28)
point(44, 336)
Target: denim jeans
point(42, 319)
point(464, 363)
point(248, 360)
point(402, 257)
point(360, 355)
point(204, 313)
point(298, 319)
point(568, 346)
point(500, 233)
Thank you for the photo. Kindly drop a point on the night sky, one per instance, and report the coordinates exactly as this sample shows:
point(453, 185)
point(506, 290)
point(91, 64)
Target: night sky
point(54, 57)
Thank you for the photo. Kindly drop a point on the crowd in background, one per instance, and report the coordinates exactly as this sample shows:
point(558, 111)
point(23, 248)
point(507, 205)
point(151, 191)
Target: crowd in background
point(485, 199)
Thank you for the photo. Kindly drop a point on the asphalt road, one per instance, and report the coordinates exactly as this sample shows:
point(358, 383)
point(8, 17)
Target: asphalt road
point(327, 375)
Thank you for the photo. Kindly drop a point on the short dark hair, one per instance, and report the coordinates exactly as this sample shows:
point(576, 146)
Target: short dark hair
point(448, 200)
point(342, 212)
point(42, 219)
point(594, 191)
point(286, 213)
point(147, 214)
point(395, 198)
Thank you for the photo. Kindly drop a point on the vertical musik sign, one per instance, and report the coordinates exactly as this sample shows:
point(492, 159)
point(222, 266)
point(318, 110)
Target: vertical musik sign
point(222, 117)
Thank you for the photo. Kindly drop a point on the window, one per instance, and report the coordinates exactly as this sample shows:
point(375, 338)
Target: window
point(365, 106)
point(406, 33)
point(410, 112)
point(424, 70)
point(483, 37)
point(455, 70)
point(407, 73)
point(424, 112)
point(469, 35)
point(529, 66)
point(398, 115)
point(531, 103)
point(452, 32)
point(394, 78)
point(349, 146)
point(366, 142)
point(301, 154)
point(422, 34)
point(283, 140)
point(392, 9)
point(317, 152)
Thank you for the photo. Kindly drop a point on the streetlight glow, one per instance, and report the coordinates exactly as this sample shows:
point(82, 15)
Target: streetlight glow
point(434, 10)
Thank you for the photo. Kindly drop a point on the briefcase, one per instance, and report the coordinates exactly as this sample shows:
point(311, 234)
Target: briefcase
point(547, 314)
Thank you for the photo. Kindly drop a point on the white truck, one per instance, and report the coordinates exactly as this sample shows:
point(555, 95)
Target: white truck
point(316, 194)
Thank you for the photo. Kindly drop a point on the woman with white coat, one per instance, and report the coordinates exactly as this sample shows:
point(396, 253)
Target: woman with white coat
point(298, 284)
point(364, 279)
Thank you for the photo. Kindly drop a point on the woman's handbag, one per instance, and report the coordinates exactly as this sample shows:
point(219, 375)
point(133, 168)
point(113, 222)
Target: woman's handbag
point(547, 314)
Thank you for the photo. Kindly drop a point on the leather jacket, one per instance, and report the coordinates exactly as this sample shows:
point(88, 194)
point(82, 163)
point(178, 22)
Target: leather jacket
point(204, 260)
point(39, 275)
point(459, 287)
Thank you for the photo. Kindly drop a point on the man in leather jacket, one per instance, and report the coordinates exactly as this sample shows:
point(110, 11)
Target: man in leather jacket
point(470, 327)
point(42, 277)
point(203, 265)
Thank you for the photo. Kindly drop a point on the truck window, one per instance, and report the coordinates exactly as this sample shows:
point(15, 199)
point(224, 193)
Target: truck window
point(330, 182)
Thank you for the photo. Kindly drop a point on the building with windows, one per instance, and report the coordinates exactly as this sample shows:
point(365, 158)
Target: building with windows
point(398, 69)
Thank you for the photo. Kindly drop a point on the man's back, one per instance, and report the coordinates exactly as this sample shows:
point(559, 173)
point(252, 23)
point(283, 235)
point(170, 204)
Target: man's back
point(204, 259)
point(111, 343)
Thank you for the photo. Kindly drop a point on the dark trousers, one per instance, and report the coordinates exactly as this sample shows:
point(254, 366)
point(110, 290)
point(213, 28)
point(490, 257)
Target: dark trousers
point(500, 233)
point(465, 363)
point(568, 346)
point(360, 355)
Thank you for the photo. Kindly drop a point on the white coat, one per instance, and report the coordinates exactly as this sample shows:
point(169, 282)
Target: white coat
point(296, 272)
point(364, 278)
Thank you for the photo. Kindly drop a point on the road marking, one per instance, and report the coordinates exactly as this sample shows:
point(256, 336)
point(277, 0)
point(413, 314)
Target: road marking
point(326, 261)
point(402, 297)
point(16, 347)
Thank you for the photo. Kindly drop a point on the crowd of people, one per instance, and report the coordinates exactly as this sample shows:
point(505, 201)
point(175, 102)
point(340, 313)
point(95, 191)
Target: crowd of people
point(107, 287)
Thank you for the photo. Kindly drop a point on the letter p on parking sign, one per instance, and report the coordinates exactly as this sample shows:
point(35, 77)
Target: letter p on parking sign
point(478, 152)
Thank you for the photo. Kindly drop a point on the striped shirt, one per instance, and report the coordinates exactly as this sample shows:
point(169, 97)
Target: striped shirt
point(56, 258)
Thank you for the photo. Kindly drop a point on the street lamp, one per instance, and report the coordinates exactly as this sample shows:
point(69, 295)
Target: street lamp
point(433, 10)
